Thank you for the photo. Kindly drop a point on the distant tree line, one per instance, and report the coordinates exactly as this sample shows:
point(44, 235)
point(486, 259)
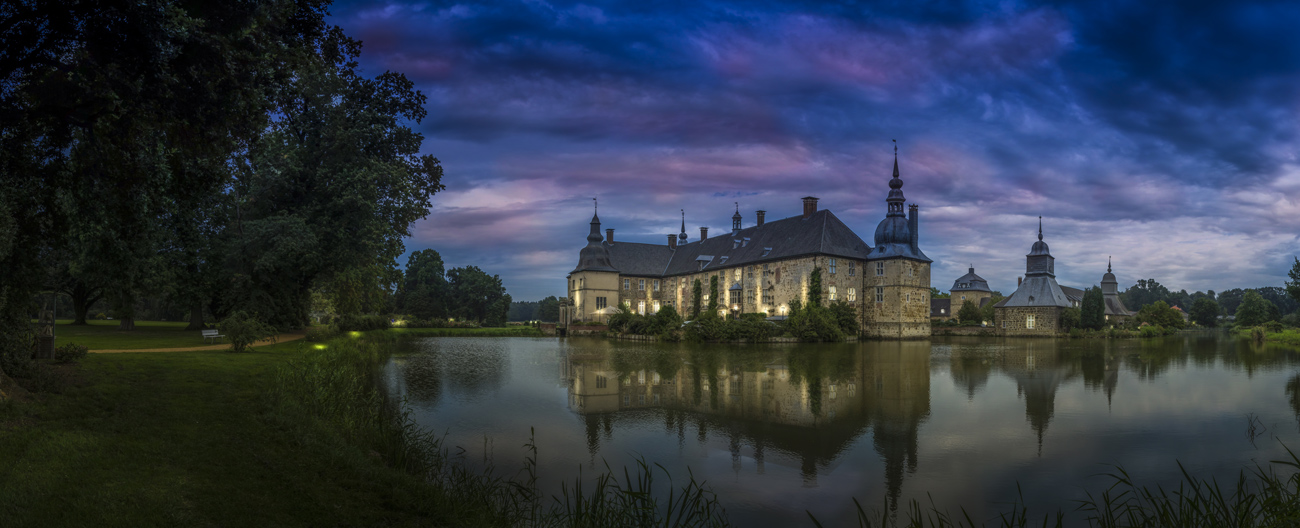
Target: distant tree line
point(546, 310)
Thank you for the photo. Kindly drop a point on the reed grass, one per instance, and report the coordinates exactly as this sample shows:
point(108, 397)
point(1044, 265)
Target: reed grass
point(331, 392)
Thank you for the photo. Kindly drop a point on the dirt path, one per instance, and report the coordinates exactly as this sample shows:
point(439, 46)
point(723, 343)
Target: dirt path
point(292, 336)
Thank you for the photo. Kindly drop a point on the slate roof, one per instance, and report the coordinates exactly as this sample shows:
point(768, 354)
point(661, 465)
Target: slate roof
point(941, 304)
point(1115, 307)
point(1039, 290)
point(634, 258)
point(972, 281)
point(1075, 295)
point(819, 234)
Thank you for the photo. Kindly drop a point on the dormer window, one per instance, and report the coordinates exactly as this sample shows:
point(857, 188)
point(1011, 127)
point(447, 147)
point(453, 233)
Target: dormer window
point(735, 243)
point(744, 242)
point(766, 250)
point(723, 261)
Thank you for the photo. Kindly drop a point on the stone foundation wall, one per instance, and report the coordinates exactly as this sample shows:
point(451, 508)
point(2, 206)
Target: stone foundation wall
point(1013, 321)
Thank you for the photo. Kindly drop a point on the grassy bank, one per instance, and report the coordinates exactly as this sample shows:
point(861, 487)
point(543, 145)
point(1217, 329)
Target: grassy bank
point(506, 331)
point(185, 439)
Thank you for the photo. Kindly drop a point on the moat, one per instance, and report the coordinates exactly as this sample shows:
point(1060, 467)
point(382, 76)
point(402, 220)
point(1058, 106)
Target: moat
point(779, 429)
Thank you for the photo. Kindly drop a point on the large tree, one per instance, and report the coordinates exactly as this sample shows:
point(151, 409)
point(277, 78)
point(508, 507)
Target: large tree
point(1204, 312)
point(477, 296)
point(424, 292)
point(1293, 285)
point(1254, 310)
point(1092, 314)
point(549, 309)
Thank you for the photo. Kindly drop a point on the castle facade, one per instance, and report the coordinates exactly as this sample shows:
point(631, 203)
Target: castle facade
point(764, 267)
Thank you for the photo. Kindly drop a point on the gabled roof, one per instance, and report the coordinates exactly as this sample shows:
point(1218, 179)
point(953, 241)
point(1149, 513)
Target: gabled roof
point(1073, 294)
point(819, 234)
point(634, 258)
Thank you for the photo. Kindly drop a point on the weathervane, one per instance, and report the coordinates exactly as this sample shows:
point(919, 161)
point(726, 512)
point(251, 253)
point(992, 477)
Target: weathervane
point(737, 207)
point(595, 205)
point(895, 147)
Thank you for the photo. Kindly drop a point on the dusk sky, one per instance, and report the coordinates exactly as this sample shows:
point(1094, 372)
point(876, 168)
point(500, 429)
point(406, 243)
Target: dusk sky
point(1162, 133)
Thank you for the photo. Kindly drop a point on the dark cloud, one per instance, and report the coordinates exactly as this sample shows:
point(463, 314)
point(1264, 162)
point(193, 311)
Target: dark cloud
point(1161, 132)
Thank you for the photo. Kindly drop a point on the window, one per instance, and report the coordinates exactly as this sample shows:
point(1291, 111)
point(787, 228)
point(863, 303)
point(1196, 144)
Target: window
point(641, 285)
point(832, 266)
point(704, 298)
point(769, 299)
point(745, 242)
point(1029, 321)
point(600, 382)
point(963, 297)
point(627, 284)
point(640, 398)
point(735, 243)
point(737, 273)
point(627, 398)
point(600, 303)
point(942, 311)
point(656, 306)
point(910, 270)
point(880, 268)
point(909, 297)
point(656, 399)
point(880, 294)
point(766, 250)
point(656, 284)
point(853, 294)
point(832, 293)
point(735, 297)
point(640, 307)
point(640, 378)
point(853, 268)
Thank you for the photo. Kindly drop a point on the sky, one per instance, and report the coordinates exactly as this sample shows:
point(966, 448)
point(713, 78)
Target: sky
point(1163, 134)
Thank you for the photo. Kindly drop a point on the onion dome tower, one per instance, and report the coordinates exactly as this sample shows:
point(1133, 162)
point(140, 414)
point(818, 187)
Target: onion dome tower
point(896, 235)
point(594, 257)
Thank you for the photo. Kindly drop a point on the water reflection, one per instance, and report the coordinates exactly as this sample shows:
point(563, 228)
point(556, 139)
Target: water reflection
point(865, 419)
point(808, 402)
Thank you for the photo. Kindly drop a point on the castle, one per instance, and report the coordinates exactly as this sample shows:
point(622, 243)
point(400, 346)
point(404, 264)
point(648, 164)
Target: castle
point(765, 267)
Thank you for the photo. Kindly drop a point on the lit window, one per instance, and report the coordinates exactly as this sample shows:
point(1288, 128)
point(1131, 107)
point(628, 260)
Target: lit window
point(656, 305)
point(1029, 321)
point(880, 268)
point(640, 307)
point(880, 294)
point(853, 294)
point(832, 293)
point(656, 285)
point(627, 284)
point(737, 273)
point(832, 266)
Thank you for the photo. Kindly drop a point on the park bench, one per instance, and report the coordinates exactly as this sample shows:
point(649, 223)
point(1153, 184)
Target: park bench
point(211, 334)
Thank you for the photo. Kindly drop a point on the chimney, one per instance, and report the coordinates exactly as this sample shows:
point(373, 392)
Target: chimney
point(704, 232)
point(672, 241)
point(809, 206)
point(761, 214)
point(609, 236)
point(913, 225)
point(1018, 279)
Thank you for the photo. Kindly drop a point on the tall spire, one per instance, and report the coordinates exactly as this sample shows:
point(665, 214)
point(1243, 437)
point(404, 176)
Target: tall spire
point(1107, 264)
point(895, 199)
point(681, 237)
point(1040, 228)
point(895, 157)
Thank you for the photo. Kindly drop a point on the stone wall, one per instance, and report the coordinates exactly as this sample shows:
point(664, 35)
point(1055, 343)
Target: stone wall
point(902, 309)
point(1013, 320)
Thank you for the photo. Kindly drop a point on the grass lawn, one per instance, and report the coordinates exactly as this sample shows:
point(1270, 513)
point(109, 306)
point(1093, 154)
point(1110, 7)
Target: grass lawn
point(147, 334)
point(181, 439)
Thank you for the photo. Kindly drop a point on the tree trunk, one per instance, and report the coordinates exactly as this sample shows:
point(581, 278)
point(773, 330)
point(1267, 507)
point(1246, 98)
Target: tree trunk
point(196, 316)
point(82, 299)
point(126, 323)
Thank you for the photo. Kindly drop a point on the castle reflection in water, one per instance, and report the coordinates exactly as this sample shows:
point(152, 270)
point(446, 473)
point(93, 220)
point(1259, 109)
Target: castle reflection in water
point(803, 405)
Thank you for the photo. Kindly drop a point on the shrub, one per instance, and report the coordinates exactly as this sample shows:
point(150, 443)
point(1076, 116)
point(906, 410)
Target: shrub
point(846, 317)
point(1151, 331)
point(243, 329)
point(1272, 327)
point(361, 323)
point(69, 353)
point(322, 333)
point(813, 324)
